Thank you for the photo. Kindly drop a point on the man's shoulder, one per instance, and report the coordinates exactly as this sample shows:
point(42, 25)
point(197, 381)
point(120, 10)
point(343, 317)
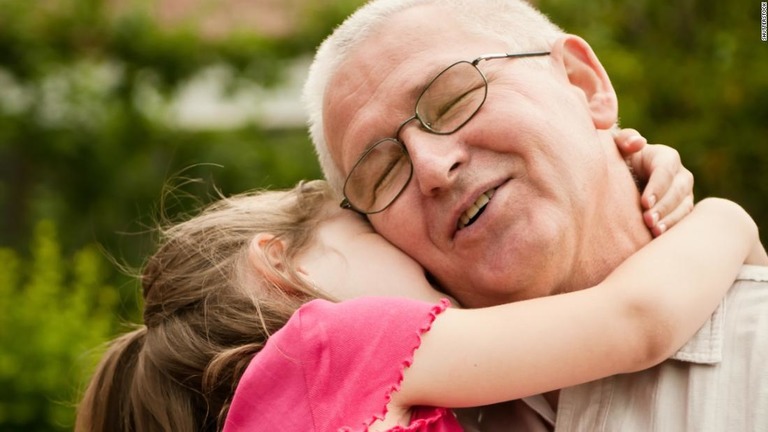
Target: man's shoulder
point(753, 273)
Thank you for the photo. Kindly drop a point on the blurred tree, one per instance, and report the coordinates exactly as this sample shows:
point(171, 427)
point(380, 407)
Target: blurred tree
point(84, 115)
point(691, 75)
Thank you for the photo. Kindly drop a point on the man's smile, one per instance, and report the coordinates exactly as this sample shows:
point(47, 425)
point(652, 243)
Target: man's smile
point(476, 209)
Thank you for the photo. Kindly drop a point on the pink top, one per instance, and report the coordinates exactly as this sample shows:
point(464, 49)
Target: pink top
point(333, 367)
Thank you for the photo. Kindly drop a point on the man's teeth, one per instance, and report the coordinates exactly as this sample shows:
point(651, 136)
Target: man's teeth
point(475, 209)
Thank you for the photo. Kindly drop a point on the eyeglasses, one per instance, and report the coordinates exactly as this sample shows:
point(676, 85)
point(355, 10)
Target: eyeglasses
point(446, 104)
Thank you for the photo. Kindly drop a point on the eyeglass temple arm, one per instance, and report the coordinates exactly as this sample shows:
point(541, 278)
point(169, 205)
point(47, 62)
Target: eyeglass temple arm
point(507, 55)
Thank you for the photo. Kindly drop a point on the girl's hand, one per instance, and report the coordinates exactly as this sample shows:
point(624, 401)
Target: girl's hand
point(667, 196)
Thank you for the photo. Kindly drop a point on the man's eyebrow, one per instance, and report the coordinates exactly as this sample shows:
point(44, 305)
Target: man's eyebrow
point(415, 90)
point(412, 93)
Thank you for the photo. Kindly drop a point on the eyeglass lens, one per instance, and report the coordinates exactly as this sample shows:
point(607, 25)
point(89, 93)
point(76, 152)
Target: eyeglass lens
point(379, 176)
point(447, 103)
point(451, 99)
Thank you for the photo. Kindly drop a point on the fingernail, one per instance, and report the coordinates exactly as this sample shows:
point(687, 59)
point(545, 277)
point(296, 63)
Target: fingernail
point(651, 200)
point(662, 227)
point(655, 218)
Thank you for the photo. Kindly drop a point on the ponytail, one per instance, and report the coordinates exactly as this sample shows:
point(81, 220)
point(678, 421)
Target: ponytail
point(106, 403)
point(130, 392)
point(207, 311)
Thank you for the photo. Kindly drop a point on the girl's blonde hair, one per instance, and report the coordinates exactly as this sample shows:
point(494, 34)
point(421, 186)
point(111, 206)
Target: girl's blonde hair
point(207, 311)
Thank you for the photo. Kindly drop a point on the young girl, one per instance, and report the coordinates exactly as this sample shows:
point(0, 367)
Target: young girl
point(239, 332)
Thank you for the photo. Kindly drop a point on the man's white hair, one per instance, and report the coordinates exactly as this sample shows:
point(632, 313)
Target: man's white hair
point(514, 22)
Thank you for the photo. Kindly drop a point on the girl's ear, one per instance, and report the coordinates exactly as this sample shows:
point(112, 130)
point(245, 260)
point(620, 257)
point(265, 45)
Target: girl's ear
point(266, 254)
point(585, 71)
point(266, 247)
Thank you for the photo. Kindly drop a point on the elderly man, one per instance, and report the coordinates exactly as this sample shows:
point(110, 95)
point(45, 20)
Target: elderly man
point(476, 136)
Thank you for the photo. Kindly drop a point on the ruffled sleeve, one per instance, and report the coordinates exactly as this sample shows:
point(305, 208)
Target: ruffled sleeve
point(359, 351)
point(334, 365)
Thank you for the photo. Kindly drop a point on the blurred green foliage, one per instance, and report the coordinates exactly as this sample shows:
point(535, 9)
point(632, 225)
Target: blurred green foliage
point(54, 310)
point(690, 74)
point(84, 101)
point(86, 146)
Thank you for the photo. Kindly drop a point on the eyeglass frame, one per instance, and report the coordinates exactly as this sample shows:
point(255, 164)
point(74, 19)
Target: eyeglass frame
point(347, 204)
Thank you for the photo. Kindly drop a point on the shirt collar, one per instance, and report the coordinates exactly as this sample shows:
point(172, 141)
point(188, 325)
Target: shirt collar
point(706, 346)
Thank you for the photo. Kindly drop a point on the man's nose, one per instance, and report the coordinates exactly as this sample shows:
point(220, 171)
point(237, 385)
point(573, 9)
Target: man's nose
point(437, 159)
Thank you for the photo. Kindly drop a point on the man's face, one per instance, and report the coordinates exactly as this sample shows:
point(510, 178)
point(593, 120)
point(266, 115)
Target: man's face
point(533, 146)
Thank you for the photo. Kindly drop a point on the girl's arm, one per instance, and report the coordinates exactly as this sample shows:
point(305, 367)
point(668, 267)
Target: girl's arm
point(640, 315)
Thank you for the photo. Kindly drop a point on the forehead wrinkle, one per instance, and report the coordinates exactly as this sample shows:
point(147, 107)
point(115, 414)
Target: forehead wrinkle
point(341, 94)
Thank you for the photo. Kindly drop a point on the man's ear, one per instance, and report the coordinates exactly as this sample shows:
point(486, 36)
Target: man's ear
point(265, 247)
point(585, 72)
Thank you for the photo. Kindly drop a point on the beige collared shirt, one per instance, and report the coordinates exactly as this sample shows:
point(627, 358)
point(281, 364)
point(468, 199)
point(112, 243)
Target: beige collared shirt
point(717, 382)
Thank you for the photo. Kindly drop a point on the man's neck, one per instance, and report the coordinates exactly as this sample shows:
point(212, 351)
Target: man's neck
point(605, 252)
point(616, 230)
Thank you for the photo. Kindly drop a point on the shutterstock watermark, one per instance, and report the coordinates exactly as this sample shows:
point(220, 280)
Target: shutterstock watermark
point(764, 21)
